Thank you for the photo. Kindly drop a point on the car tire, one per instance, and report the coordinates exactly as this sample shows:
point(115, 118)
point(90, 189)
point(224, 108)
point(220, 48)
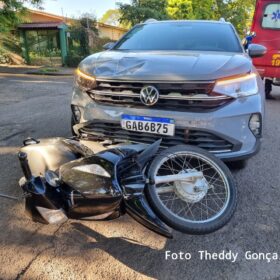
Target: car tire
point(268, 87)
point(237, 165)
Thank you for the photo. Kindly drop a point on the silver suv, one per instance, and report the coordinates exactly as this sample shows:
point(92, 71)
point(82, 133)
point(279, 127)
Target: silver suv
point(187, 82)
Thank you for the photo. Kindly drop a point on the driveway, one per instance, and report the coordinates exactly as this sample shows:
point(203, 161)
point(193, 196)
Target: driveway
point(122, 249)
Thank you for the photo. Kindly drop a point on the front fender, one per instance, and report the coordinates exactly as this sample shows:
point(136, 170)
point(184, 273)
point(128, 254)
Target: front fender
point(139, 209)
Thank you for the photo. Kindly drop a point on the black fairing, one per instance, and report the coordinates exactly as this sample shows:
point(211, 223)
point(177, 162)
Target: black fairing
point(138, 208)
point(90, 194)
point(82, 193)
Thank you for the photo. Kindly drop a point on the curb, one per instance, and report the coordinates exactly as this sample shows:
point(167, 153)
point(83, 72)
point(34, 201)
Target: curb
point(49, 73)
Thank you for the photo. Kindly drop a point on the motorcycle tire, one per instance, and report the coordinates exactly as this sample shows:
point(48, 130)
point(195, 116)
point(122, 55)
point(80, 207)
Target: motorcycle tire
point(73, 122)
point(185, 195)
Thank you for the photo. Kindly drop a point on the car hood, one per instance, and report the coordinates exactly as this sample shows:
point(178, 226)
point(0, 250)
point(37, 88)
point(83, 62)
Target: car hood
point(171, 66)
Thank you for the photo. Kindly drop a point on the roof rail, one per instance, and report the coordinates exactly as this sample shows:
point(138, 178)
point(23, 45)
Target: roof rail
point(150, 20)
point(222, 19)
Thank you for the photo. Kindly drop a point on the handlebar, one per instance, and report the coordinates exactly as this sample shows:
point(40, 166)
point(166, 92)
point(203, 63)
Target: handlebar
point(24, 165)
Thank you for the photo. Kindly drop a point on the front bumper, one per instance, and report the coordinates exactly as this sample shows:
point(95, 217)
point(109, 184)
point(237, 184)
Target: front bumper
point(230, 122)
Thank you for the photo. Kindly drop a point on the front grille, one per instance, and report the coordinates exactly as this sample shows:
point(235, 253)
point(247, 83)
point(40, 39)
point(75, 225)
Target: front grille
point(184, 96)
point(111, 130)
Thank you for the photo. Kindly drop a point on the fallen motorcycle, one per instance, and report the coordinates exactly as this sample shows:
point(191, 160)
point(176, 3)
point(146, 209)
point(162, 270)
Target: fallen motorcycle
point(182, 187)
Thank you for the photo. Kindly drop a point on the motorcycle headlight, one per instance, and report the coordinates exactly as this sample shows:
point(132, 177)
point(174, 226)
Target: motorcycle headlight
point(238, 87)
point(93, 169)
point(84, 80)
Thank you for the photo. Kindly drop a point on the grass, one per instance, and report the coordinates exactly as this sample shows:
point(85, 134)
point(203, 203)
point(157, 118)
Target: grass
point(48, 69)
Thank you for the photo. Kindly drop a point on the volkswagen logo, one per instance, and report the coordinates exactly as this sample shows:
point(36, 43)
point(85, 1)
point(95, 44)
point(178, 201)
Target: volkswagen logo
point(149, 95)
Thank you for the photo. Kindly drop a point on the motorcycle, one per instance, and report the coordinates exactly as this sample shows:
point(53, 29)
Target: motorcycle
point(183, 187)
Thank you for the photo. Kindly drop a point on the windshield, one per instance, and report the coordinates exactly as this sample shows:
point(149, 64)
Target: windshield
point(196, 36)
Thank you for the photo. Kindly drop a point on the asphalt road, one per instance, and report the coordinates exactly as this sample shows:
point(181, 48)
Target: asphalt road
point(123, 249)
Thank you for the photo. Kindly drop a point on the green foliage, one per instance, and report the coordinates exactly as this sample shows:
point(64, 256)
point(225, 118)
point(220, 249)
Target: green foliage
point(238, 12)
point(88, 21)
point(79, 35)
point(72, 60)
point(180, 9)
point(79, 41)
point(12, 13)
point(111, 17)
point(141, 10)
point(206, 9)
point(99, 43)
point(48, 70)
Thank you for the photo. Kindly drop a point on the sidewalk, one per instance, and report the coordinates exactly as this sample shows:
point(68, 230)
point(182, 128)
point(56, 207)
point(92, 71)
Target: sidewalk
point(37, 70)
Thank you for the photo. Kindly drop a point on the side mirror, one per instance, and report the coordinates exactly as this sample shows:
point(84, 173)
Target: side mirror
point(255, 50)
point(108, 46)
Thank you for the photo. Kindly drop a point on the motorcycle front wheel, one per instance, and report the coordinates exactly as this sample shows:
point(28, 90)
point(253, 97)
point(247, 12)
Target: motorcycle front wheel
point(197, 205)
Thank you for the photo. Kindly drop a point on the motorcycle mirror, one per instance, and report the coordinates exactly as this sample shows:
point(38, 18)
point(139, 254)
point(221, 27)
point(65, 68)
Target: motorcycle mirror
point(149, 152)
point(52, 178)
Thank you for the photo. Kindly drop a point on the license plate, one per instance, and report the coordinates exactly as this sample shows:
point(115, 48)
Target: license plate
point(163, 126)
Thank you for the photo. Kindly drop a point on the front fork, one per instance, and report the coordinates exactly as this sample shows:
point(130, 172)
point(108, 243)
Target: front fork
point(139, 209)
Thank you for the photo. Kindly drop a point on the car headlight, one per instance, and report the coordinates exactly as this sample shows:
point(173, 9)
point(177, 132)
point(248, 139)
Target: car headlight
point(238, 87)
point(84, 80)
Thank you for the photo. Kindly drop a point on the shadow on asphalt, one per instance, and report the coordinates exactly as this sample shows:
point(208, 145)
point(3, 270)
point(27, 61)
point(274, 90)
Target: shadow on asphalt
point(124, 250)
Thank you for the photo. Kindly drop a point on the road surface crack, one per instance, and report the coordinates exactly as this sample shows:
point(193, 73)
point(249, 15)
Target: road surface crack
point(25, 269)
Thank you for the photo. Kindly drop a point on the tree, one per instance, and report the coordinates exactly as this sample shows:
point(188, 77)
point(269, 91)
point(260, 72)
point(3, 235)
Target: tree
point(180, 9)
point(12, 13)
point(88, 21)
point(191, 9)
point(84, 31)
point(206, 9)
point(238, 12)
point(111, 17)
point(141, 10)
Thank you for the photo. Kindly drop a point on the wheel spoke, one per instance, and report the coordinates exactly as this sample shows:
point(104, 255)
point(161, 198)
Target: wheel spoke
point(185, 202)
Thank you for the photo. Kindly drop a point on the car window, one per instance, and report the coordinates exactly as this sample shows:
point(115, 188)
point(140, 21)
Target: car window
point(271, 17)
point(196, 36)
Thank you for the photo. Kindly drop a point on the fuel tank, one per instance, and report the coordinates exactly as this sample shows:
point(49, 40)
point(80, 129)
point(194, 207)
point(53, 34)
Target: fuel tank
point(48, 154)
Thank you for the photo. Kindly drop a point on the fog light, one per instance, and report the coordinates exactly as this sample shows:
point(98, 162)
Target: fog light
point(52, 216)
point(77, 113)
point(255, 124)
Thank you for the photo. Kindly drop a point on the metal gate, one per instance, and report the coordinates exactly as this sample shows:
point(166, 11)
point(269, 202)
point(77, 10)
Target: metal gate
point(44, 47)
